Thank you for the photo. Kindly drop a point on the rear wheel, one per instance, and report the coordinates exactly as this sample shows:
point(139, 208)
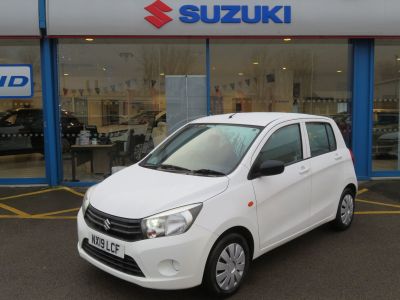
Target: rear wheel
point(345, 211)
point(227, 265)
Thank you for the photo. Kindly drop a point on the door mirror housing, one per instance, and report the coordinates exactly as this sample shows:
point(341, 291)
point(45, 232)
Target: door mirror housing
point(267, 168)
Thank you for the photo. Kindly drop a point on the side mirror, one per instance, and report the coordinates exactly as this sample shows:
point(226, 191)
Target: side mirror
point(267, 168)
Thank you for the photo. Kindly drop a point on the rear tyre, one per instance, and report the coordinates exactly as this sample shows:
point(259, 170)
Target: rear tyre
point(227, 265)
point(345, 211)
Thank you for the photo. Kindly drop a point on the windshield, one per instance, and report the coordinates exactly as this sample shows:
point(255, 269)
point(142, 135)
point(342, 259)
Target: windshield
point(204, 149)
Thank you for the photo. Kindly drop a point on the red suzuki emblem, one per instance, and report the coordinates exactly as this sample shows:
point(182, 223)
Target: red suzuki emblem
point(158, 10)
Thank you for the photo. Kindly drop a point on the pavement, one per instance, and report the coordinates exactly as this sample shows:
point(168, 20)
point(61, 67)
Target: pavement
point(39, 260)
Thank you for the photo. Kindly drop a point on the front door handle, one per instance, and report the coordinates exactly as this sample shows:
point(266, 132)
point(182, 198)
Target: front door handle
point(304, 170)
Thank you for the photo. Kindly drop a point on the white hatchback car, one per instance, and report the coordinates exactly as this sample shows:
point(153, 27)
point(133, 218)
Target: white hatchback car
point(216, 194)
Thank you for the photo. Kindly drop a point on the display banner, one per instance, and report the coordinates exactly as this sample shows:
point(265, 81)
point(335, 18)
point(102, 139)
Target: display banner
point(19, 18)
point(352, 18)
point(16, 81)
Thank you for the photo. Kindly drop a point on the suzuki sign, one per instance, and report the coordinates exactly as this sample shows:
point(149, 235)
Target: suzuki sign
point(16, 81)
point(211, 14)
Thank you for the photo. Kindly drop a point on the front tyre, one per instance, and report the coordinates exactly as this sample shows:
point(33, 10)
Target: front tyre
point(345, 211)
point(227, 265)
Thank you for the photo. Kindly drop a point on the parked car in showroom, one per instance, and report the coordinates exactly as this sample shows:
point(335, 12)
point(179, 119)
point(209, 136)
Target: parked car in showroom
point(21, 131)
point(216, 194)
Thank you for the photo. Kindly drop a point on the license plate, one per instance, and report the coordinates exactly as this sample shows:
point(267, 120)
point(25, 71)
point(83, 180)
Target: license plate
point(108, 246)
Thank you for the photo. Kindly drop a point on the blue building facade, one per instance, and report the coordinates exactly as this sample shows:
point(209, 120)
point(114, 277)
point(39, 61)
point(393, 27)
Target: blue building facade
point(110, 85)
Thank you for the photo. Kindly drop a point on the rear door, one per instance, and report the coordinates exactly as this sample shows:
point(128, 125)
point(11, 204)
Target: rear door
point(283, 200)
point(326, 167)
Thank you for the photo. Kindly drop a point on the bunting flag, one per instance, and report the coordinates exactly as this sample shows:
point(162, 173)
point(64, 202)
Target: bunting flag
point(97, 90)
point(247, 82)
point(232, 86)
point(81, 92)
point(255, 80)
point(153, 83)
point(73, 91)
point(216, 88)
point(65, 91)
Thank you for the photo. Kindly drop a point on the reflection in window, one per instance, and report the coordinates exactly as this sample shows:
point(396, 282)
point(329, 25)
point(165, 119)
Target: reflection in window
point(305, 76)
point(386, 125)
point(127, 96)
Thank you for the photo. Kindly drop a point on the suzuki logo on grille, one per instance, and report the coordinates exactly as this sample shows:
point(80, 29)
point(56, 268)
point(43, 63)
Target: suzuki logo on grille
point(158, 10)
point(107, 224)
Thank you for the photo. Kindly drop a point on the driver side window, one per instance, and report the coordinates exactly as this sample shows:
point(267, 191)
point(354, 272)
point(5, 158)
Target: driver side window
point(284, 145)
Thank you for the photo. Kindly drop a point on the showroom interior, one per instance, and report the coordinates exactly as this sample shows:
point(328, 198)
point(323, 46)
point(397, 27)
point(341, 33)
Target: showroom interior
point(103, 102)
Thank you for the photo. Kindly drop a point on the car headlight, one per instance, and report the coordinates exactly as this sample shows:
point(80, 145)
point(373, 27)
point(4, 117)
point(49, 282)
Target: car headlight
point(86, 199)
point(171, 222)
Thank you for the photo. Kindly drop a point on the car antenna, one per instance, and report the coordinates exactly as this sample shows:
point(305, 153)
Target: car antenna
point(231, 116)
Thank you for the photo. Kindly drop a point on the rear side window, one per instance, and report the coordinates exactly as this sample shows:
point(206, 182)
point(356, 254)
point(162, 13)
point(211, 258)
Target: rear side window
point(321, 137)
point(284, 145)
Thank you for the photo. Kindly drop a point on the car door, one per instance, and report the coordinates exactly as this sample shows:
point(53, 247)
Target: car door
point(283, 200)
point(11, 138)
point(326, 168)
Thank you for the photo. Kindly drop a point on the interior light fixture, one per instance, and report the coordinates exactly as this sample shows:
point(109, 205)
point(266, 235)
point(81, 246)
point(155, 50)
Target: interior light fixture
point(162, 74)
point(339, 71)
point(104, 69)
point(240, 74)
point(66, 74)
point(89, 39)
point(255, 62)
point(283, 68)
point(287, 39)
point(398, 58)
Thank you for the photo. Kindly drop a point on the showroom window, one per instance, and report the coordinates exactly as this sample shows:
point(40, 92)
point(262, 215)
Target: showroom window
point(386, 125)
point(288, 75)
point(121, 97)
point(21, 116)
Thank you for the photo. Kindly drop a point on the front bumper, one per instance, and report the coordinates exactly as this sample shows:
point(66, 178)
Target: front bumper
point(154, 257)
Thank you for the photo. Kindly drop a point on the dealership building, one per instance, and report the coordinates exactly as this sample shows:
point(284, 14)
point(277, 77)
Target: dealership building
point(87, 87)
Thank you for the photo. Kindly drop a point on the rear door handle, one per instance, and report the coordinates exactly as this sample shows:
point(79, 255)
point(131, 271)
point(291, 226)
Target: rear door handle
point(338, 156)
point(304, 170)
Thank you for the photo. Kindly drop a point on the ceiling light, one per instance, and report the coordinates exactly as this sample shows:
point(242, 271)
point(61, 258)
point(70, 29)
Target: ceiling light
point(339, 71)
point(89, 39)
point(255, 62)
point(104, 69)
point(283, 68)
point(240, 74)
point(398, 58)
point(162, 74)
point(66, 74)
point(287, 39)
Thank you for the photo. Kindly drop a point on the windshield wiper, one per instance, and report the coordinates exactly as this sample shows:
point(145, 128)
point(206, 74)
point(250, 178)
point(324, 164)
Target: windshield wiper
point(208, 172)
point(172, 167)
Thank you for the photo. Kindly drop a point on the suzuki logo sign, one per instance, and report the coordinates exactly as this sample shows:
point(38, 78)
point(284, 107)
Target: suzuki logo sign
point(224, 14)
point(158, 10)
point(16, 81)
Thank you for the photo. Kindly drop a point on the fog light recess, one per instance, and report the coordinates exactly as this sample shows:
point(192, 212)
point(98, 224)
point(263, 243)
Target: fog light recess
point(169, 267)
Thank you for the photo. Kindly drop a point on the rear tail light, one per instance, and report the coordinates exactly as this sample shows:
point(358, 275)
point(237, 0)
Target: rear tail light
point(352, 156)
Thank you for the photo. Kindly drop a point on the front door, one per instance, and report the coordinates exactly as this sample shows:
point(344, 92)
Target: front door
point(283, 201)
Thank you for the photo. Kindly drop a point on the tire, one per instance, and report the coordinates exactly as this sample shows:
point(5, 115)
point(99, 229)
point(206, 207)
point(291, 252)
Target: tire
point(230, 273)
point(345, 211)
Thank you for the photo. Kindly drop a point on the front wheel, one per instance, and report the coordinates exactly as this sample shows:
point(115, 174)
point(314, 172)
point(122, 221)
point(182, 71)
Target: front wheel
point(345, 211)
point(227, 265)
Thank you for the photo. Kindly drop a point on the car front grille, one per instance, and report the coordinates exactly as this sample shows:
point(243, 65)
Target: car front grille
point(121, 228)
point(126, 265)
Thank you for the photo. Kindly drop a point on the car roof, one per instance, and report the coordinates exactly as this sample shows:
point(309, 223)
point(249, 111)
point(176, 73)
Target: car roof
point(255, 118)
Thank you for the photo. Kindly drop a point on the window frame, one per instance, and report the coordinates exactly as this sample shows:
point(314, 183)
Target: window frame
point(273, 130)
